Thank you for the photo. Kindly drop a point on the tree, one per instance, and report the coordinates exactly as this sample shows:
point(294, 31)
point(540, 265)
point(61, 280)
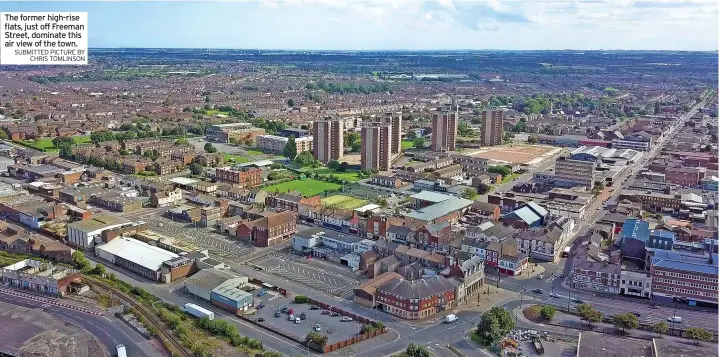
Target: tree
point(411, 134)
point(506, 322)
point(290, 150)
point(3, 134)
point(660, 327)
point(61, 141)
point(625, 321)
point(79, 260)
point(305, 158)
point(209, 148)
point(317, 338)
point(489, 330)
point(99, 269)
point(483, 188)
point(416, 351)
point(418, 142)
point(502, 170)
point(181, 141)
point(195, 168)
point(547, 312)
point(588, 314)
point(290, 103)
point(532, 139)
point(599, 187)
point(699, 334)
point(464, 130)
point(333, 165)
point(469, 193)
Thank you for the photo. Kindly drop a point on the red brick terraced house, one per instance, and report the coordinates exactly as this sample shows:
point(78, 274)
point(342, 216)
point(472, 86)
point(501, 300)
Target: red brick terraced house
point(269, 230)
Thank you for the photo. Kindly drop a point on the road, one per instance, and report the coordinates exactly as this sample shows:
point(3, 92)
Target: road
point(109, 330)
point(610, 304)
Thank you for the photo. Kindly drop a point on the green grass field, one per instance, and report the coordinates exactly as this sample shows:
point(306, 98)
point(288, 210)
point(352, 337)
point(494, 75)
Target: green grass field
point(45, 144)
point(406, 144)
point(308, 188)
point(349, 175)
point(254, 152)
point(238, 159)
point(345, 202)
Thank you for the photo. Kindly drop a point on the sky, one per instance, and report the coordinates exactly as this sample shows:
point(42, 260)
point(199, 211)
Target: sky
point(397, 24)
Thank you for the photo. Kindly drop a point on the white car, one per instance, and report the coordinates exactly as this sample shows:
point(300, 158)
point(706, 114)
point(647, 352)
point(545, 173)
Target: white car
point(318, 328)
point(541, 277)
point(675, 319)
point(346, 318)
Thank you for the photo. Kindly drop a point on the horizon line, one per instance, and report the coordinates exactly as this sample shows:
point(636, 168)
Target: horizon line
point(397, 50)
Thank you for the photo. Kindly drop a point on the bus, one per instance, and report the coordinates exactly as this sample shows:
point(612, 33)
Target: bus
point(121, 351)
point(566, 251)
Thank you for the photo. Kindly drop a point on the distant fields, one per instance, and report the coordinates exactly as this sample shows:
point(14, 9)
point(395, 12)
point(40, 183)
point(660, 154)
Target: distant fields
point(344, 202)
point(308, 187)
point(45, 144)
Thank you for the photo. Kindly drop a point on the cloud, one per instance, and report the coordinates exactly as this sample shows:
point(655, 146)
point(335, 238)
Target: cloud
point(673, 4)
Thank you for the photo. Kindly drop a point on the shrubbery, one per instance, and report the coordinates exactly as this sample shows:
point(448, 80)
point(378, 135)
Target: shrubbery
point(301, 299)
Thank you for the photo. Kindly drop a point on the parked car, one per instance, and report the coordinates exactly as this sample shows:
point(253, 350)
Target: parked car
point(538, 291)
point(346, 318)
point(637, 314)
point(325, 312)
point(291, 317)
point(303, 316)
point(261, 305)
point(335, 314)
point(284, 309)
point(654, 307)
point(540, 276)
point(260, 319)
point(675, 319)
point(262, 292)
point(318, 328)
point(314, 307)
point(298, 320)
point(291, 311)
point(578, 301)
point(555, 295)
point(278, 314)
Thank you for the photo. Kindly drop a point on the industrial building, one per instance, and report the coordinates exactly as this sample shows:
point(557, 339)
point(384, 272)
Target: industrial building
point(136, 256)
point(86, 233)
point(39, 276)
point(221, 289)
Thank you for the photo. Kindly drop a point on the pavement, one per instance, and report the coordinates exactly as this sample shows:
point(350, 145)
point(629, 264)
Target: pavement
point(108, 329)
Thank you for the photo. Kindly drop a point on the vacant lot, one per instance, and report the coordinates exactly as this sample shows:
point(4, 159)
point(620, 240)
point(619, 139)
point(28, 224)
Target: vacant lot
point(520, 154)
point(45, 144)
point(345, 202)
point(307, 188)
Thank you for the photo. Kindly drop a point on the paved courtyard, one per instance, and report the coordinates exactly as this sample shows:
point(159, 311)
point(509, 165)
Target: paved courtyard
point(332, 326)
point(292, 267)
point(186, 235)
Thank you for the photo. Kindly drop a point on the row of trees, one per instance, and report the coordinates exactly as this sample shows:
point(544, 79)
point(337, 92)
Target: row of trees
point(343, 88)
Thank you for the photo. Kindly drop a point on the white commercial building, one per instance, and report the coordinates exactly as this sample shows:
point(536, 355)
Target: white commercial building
point(86, 233)
point(135, 255)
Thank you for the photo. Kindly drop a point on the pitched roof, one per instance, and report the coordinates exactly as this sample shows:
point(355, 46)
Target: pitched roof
point(417, 289)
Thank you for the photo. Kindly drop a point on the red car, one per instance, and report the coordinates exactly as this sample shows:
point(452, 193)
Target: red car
point(290, 311)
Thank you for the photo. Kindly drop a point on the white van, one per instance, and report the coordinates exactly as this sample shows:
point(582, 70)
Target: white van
point(450, 318)
point(675, 319)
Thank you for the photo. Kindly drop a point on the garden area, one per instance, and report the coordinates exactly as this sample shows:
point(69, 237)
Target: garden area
point(343, 202)
point(308, 187)
point(237, 159)
point(46, 144)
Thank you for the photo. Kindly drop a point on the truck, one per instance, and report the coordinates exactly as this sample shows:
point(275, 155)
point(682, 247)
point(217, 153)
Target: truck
point(121, 351)
point(198, 311)
point(450, 318)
